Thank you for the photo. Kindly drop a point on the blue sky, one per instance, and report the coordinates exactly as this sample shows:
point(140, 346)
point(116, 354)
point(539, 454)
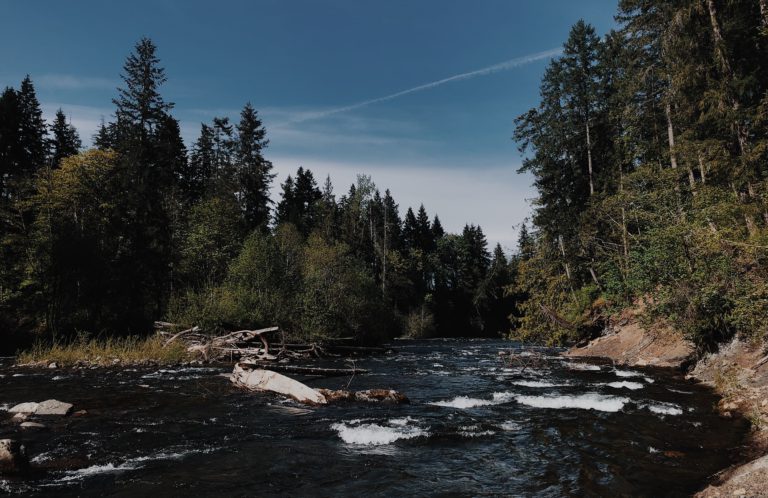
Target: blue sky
point(304, 63)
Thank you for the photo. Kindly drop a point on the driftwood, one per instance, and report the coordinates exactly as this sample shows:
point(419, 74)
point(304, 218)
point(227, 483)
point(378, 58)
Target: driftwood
point(254, 345)
point(257, 379)
point(760, 363)
point(266, 380)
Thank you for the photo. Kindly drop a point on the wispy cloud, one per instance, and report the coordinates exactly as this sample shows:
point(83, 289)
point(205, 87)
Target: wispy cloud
point(501, 66)
point(72, 82)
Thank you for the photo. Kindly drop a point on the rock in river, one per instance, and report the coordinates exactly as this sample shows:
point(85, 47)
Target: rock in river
point(13, 456)
point(48, 407)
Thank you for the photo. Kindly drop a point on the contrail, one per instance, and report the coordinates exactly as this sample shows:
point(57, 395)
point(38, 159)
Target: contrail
point(502, 66)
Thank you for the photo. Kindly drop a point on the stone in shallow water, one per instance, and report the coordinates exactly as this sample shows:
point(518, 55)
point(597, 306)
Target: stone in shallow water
point(29, 407)
point(53, 407)
point(33, 425)
point(48, 407)
point(13, 456)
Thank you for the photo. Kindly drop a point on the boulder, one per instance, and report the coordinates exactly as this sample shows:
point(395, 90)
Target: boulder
point(13, 456)
point(30, 407)
point(32, 425)
point(48, 407)
point(266, 380)
point(53, 407)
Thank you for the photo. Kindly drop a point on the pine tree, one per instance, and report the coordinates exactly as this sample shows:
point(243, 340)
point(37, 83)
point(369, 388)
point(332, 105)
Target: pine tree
point(425, 239)
point(65, 142)
point(410, 231)
point(32, 130)
point(199, 177)
point(140, 107)
point(254, 172)
point(437, 229)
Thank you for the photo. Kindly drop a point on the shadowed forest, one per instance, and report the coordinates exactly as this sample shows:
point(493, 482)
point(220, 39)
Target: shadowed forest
point(104, 241)
point(648, 149)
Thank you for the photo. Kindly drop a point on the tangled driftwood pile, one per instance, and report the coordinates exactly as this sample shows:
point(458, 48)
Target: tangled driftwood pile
point(253, 345)
point(260, 361)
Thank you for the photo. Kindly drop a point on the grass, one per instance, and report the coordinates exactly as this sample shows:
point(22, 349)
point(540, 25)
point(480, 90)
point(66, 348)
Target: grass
point(105, 352)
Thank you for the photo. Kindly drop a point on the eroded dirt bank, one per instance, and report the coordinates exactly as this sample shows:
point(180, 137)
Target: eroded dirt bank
point(735, 372)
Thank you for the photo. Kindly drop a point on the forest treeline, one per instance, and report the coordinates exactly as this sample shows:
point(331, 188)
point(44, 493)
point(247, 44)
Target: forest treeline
point(138, 228)
point(649, 150)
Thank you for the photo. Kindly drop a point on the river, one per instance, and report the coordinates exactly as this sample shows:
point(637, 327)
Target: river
point(477, 424)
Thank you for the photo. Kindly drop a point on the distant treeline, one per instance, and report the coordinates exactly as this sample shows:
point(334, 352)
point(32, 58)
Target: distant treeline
point(649, 150)
point(105, 241)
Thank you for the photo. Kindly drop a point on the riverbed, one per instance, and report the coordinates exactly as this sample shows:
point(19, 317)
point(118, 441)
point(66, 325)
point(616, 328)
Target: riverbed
point(477, 424)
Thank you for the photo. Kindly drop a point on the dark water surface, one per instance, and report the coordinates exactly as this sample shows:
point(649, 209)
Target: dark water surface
point(475, 426)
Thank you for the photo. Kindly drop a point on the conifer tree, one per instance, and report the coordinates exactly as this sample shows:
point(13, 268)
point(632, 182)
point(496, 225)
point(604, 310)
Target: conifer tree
point(65, 141)
point(254, 172)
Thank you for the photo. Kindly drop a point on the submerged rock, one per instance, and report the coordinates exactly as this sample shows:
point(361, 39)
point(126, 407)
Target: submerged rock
point(371, 395)
point(13, 456)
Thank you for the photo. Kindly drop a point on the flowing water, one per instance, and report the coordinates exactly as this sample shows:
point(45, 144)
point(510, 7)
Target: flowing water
point(476, 425)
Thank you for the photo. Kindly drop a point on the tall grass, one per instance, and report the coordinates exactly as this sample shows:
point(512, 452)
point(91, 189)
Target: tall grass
point(105, 352)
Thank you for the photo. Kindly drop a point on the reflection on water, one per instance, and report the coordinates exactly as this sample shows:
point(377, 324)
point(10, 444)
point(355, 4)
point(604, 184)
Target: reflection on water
point(474, 426)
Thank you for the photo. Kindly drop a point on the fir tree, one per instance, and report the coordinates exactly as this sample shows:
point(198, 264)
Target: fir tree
point(254, 172)
point(65, 142)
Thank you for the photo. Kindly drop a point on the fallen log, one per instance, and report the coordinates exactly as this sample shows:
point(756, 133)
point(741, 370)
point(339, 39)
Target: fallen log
point(313, 371)
point(266, 380)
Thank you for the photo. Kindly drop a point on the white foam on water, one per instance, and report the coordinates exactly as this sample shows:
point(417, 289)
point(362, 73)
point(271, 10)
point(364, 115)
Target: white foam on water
point(5, 407)
point(73, 475)
point(588, 401)
point(537, 383)
point(652, 450)
point(474, 431)
point(664, 408)
point(627, 373)
point(375, 434)
point(401, 422)
point(463, 402)
point(132, 464)
point(625, 385)
point(510, 426)
point(679, 391)
point(584, 367)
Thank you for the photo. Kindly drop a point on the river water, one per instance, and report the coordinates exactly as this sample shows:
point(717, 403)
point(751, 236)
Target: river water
point(477, 425)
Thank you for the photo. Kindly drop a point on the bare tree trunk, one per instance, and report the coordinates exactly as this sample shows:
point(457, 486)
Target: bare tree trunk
point(702, 170)
point(589, 161)
point(562, 252)
point(691, 178)
point(764, 12)
point(670, 136)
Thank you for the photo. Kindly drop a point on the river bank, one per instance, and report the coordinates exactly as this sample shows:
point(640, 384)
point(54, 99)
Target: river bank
point(734, 372)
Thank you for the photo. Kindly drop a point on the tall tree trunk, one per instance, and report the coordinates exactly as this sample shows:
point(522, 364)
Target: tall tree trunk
point(565, 262)
point(727, 70)
point(764, 12)
point(702, 170)
point(384, 255)
point(670, 136)
point(589, 161)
